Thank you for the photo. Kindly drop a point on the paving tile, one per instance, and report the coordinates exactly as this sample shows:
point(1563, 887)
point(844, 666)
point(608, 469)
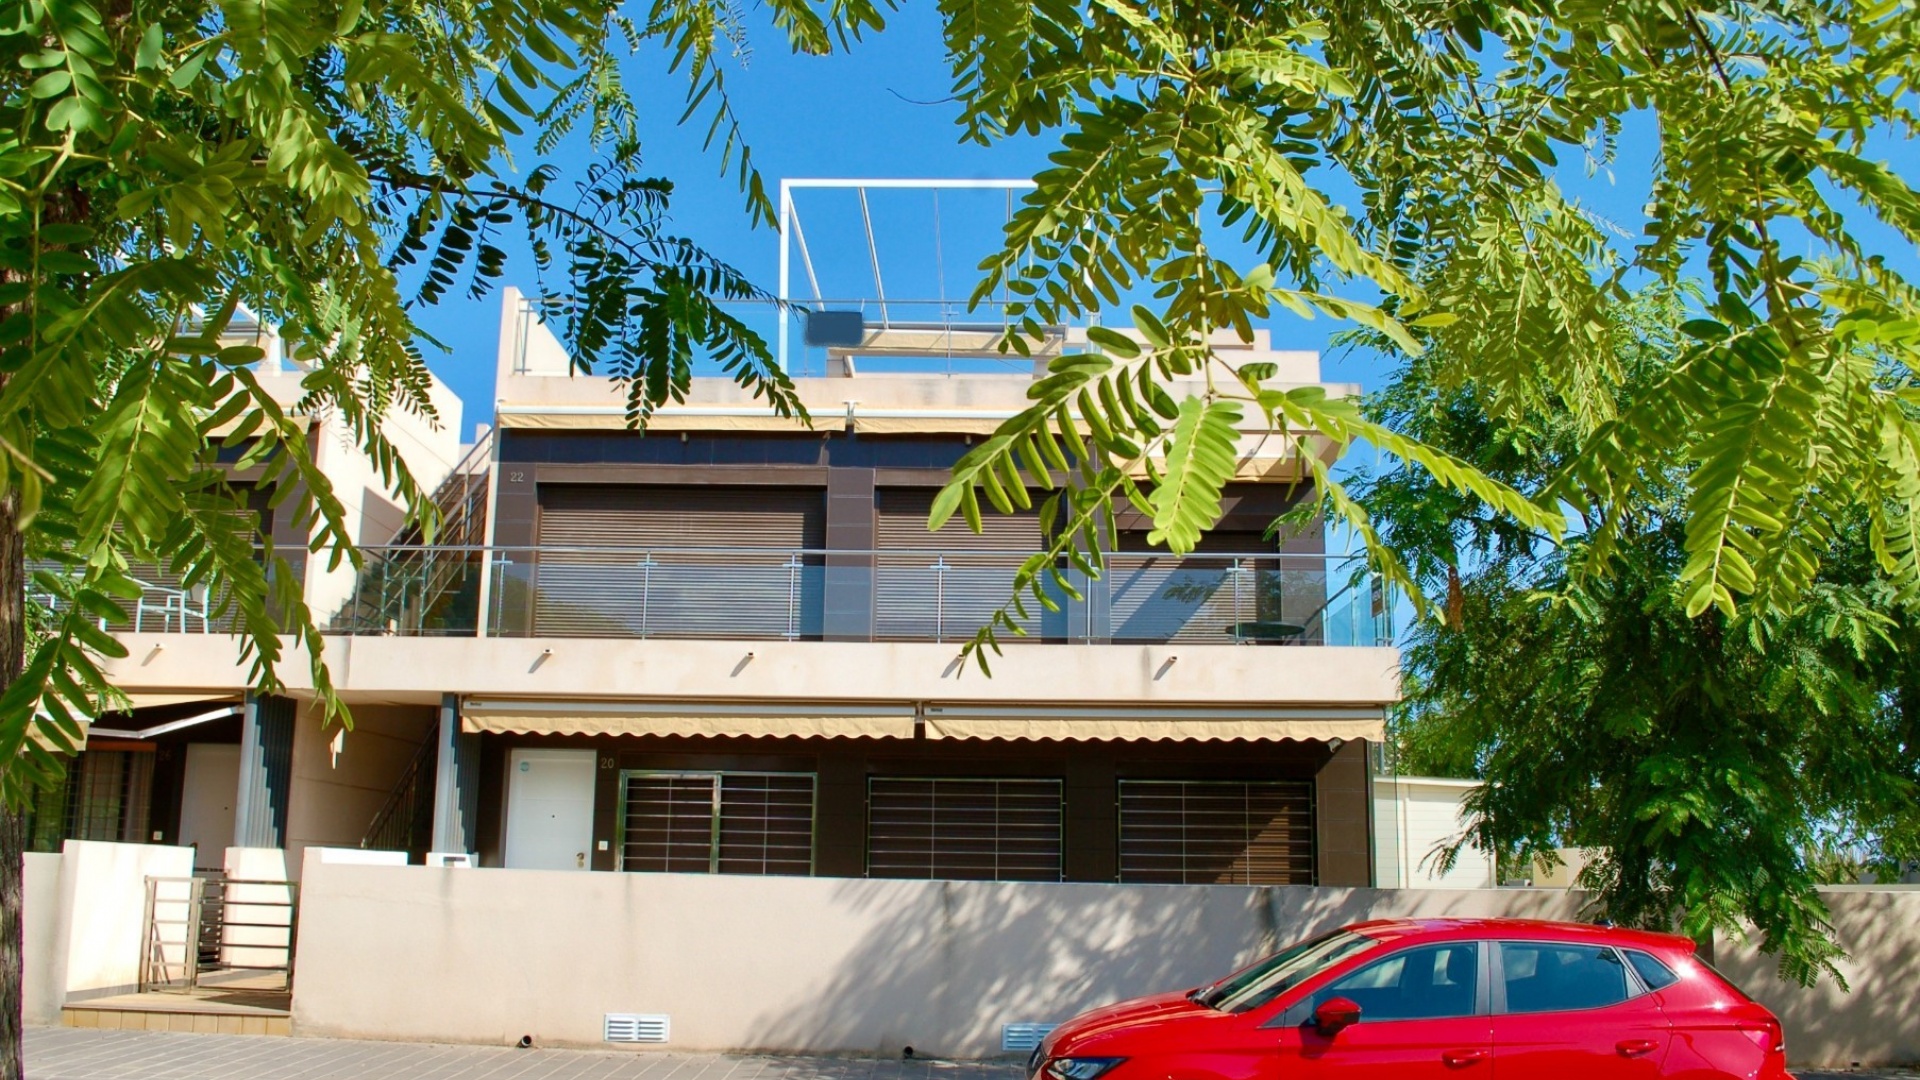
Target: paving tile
point(114, 1052)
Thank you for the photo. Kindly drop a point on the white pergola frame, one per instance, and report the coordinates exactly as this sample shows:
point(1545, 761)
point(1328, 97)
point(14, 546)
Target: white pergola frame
point(790, 220)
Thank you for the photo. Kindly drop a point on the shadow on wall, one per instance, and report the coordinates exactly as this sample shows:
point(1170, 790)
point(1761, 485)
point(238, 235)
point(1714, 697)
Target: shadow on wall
point(1878, 1022)
point(825, 966)
point(943, 973)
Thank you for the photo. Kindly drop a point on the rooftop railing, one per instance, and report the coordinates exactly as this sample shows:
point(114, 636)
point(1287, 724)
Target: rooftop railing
point(809, 594)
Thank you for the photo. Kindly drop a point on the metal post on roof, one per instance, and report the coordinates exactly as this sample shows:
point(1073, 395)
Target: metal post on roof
point(786, 215)
point(806, 257)
point(873, 252)
point(940, 276)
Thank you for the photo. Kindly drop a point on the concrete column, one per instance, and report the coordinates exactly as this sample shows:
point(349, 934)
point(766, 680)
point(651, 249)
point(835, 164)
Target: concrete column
point(266, 772)
point(456, 783)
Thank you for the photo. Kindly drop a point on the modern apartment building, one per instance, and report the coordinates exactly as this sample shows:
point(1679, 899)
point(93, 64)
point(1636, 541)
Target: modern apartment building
point(730, 644)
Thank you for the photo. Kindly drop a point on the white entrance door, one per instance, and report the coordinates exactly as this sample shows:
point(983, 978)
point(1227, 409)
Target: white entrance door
point(206, 802)
point(549, 809)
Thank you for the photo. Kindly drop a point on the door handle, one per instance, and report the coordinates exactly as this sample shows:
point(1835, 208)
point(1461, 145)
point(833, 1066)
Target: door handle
point(1635, 1047)
point(1460, 1059)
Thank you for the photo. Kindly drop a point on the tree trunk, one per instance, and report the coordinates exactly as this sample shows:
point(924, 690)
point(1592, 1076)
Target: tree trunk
point(13, 645)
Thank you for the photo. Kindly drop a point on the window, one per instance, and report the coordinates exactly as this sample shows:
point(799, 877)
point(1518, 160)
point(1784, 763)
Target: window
point(1211, 832)
point(1433, 982)
point(716, 823)
point(1547, 976)
point(1655, 974)
point(976, 830)
point(106, 795)
point(1266, 980)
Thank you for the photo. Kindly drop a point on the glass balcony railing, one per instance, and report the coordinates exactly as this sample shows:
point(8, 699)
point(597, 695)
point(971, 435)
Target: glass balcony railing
point(165, 604)
point(888, 595)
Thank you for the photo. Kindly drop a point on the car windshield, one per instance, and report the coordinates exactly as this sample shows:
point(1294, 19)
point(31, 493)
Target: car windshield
point(1265, 980)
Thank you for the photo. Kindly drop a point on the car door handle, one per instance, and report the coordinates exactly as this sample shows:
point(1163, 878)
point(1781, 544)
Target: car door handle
point(1460, 1059)
point(1635, 1047)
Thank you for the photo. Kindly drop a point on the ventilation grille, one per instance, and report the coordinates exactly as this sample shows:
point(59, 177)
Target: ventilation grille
point(638, 1027)
point(1023, 1036)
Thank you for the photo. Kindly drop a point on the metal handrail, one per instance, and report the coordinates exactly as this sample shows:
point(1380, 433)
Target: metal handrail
point(966, 552)
point(1200, 596)
point(404, 796)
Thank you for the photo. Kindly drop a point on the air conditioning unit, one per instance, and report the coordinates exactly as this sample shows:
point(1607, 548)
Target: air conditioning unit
point(637, 1027)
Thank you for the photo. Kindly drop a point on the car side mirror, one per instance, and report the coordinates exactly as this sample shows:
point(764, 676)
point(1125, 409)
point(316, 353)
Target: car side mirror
point(1335, 1015)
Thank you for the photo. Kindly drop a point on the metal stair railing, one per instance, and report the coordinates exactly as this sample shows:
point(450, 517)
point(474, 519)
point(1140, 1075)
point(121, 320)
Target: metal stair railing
point(405, 819)
point(402, 594)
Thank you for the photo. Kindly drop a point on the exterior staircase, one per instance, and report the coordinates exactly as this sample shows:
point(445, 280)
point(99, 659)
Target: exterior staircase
point(405, 820)
point(409, 589)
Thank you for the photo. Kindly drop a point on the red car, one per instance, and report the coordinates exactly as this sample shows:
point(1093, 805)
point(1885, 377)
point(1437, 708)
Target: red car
point(1496, 998)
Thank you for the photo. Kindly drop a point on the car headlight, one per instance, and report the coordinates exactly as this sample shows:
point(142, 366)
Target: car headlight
point(1083, 1068)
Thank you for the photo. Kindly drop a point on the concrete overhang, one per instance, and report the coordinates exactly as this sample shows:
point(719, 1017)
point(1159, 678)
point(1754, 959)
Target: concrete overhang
point(420, 670)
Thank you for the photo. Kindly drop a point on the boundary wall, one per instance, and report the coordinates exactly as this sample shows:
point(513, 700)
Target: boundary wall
point(778, 964)
point(842, 966)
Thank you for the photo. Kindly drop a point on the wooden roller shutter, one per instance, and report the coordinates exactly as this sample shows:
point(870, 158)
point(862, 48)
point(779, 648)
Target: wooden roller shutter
point(970, 830)
point(721, 823)
point(945, 585)
point(1207, 832)
point(626, 561)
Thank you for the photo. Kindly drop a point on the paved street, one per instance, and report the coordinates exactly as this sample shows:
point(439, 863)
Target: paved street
point(83, 1054)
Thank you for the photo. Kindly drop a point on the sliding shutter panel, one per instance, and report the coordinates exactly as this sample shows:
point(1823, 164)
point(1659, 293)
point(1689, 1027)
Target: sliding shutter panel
point(766, 824)
point(969, 830)
point(639, 561)
point(721, 823)
point(943, 586)
point(1204, 832)
point(668, 823)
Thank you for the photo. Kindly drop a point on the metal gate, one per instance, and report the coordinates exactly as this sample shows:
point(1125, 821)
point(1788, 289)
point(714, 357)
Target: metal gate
point(219, 933)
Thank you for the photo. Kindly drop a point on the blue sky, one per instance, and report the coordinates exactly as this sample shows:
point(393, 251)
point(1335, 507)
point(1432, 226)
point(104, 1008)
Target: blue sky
point(863, 114)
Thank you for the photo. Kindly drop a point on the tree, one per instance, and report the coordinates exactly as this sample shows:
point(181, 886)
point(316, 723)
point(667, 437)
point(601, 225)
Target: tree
point(1709, 762)
point(1754, 496)
point(1445, 122)
point(164, 165)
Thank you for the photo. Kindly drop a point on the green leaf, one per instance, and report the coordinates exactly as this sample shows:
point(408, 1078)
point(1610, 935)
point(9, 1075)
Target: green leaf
point(1114, 342)
point(1201, 457)
point(152, 40)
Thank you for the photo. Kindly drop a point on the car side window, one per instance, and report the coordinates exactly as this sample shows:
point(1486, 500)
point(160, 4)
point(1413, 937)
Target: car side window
point(1550, 976)
point(1655, 974)
point(1433, 982)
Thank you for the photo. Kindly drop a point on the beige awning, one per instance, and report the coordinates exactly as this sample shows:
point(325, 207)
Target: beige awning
point(549, 717)
point(1014, 722)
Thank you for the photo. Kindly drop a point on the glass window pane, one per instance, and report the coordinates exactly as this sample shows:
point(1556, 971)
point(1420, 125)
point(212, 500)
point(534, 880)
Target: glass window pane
point(1655, 974)
point(1546, 976)
point(1429, 983)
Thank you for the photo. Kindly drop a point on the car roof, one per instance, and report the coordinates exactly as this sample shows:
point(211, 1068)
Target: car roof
point(1443, 929)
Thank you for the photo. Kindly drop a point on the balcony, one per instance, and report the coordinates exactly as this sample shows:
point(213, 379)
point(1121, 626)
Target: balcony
point(778, 594)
